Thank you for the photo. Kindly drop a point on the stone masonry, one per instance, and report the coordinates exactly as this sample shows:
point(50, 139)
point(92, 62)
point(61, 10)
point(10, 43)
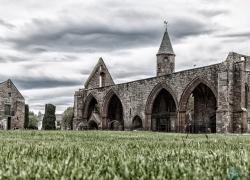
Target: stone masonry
point(212, 99)
point(12, 106)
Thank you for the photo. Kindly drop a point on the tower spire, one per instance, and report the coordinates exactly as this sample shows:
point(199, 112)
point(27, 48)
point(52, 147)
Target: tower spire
point(166, 46)
point(165, 56)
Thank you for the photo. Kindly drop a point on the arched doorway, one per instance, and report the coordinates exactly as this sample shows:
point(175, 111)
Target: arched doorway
point(163, 112)
point(92, 125)
point(137, 123)
point(93, 107)
point(92, 113)
point(199, 104)
point(115, 114)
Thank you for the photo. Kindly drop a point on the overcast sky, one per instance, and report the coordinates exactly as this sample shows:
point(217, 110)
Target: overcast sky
point(48, 48)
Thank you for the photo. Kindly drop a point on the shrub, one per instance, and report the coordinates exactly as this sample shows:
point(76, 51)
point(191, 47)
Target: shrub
point(49, 118)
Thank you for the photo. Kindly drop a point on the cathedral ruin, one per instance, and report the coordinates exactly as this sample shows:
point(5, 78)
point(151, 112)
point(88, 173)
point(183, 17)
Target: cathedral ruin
point(211, 99)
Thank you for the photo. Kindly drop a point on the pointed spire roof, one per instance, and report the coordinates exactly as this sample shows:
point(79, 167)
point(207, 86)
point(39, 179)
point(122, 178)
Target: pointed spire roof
point(166, 46)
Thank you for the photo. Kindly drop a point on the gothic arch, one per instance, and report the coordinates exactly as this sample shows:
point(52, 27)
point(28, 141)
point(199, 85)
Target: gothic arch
point(199, 114)
point(190, 88)
point(137, 123)
point(161, 109)
point(106, 101)
point(87, 102)
point(116, 109)
point(156, 90)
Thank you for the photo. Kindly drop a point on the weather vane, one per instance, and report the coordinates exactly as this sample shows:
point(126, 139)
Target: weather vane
point(166, 23)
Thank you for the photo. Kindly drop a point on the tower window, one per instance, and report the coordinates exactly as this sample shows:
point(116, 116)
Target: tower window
point(9, 94)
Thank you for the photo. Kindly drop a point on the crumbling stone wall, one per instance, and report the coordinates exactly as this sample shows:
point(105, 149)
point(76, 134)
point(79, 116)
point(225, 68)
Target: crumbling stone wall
point(226, 81)
point(11, 100)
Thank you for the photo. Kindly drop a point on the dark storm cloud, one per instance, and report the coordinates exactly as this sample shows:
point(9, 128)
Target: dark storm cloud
point(6, 24)
point(93, 37)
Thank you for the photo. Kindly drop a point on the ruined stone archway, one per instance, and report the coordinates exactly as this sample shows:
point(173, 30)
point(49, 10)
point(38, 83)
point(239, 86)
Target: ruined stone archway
point(161, 109)
point(91, 112)
point(89, 101)
point(113, 112)
point(198, 106)
point(137, 123)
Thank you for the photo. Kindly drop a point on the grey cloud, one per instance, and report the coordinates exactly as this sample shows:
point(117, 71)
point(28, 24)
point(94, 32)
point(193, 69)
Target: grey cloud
point(36, 83)
point(128, 73)
point(59, 99)
point(212, 12)
point(182, 28)
point(4, 59)
point(61, 102)
point(41, 82)
point(93, 37)
point(236, 35)
point(6, 24)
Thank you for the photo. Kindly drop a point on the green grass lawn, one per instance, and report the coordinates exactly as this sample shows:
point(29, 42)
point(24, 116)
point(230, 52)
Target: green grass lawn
point(122, 155)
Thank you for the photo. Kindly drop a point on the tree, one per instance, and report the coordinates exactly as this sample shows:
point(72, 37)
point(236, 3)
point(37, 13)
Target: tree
point(26, 117)
point(33, 120)
point(49, 118)
point(67, 121)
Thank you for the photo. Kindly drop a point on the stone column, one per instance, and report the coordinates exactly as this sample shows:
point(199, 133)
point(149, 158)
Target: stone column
point(147, 124)
point(224, 99)
point(78, 104)
point(104, 123)
point(181, 121)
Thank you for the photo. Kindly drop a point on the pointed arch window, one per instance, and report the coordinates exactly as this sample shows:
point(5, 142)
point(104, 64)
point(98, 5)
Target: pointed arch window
point(102, 77)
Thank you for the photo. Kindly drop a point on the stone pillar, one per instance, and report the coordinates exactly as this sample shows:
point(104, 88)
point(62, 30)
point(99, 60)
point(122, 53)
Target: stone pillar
point(224, 99)
point(78, 109)
point(181, 121)
point(173, 120)
point(222, 121)
point(240, 111)
point(147, 124)
point(104, 123)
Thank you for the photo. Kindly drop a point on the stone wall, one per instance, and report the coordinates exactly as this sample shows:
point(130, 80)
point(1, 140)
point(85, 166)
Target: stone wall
point(225, 80)
point(10, 96)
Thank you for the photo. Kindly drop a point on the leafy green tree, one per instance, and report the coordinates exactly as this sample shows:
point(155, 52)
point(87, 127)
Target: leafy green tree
point(67, 121)
point(26, 116)
point(33, 120)
point(49, 118)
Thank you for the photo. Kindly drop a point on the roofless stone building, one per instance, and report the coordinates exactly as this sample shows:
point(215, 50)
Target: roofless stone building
point(212, 99)
point(12, 106)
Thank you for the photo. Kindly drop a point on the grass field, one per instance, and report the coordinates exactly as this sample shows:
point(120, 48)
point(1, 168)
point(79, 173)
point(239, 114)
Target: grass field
point(122, 155)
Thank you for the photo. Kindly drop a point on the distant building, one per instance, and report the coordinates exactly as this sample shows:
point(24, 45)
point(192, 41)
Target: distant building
point(40, 120)
point(12, 106)
point(59, 118)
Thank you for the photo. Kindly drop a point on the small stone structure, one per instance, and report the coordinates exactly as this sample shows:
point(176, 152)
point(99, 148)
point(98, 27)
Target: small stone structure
point(12, 106)
point(212, 99)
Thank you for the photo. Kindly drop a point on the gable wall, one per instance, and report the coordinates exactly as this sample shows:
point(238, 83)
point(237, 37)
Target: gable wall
point(16, 101)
